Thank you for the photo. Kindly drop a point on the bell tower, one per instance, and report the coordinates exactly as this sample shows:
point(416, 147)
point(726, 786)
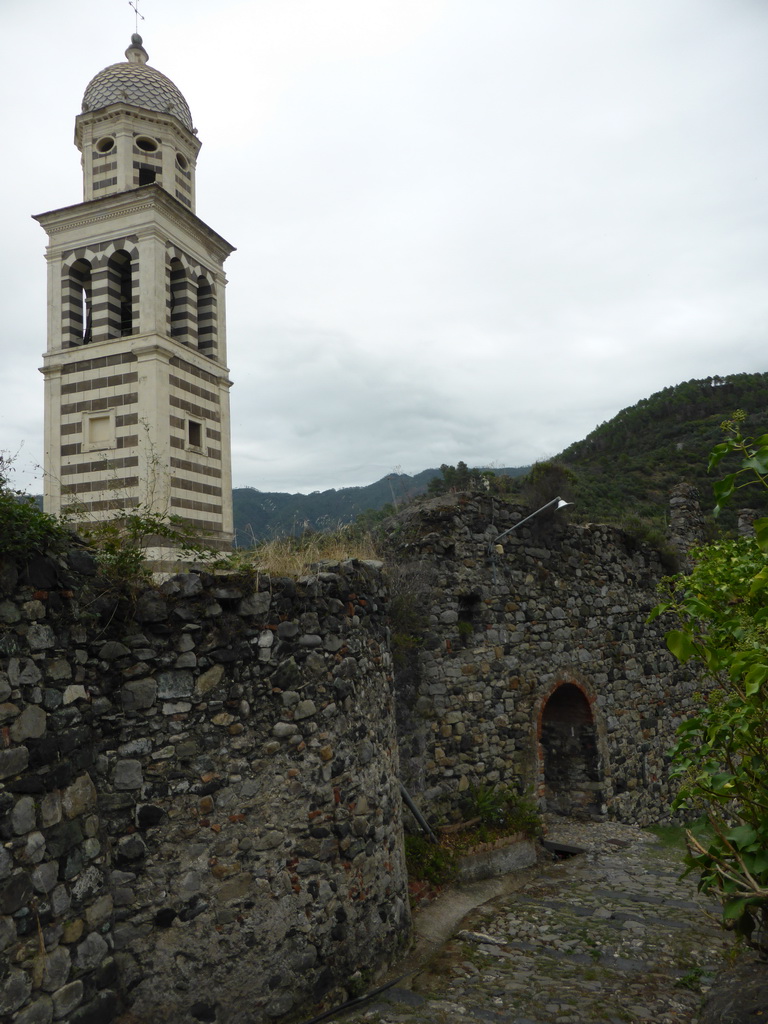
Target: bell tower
point(136, 378)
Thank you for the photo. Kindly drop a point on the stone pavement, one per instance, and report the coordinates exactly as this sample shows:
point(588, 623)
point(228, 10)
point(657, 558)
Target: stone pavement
point(611, 936)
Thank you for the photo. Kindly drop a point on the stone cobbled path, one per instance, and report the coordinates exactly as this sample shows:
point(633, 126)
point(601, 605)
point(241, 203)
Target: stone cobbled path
point(611, 936)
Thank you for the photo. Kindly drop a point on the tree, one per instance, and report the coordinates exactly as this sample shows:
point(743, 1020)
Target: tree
point(462, 478)
point(721, 753)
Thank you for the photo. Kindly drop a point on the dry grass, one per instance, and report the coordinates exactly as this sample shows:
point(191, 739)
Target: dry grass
point(295, 556)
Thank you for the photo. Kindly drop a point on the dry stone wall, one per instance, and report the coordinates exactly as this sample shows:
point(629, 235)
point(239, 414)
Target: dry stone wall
point(199, 802)
point(530, 662)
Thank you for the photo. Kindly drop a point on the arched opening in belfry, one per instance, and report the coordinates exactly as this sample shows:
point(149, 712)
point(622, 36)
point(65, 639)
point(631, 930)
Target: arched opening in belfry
point(572, 770)
point(181, 311)
point(120, 294)
point(206, 317)
point(78, 309)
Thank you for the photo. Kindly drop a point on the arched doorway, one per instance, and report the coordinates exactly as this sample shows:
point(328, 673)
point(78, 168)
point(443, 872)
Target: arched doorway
point(568, 744)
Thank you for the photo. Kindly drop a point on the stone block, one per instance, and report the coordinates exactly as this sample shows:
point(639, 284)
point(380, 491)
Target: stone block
point(90, 952)
point(128, 775)
point(58, 964)
point(14, 892)
point(40, 637)
point(151, 607)
point(304, 709)
point(139, 694)
point(67, 999)
point(23, 817)
point(45, 876)
point(310, 640)
point(60, 901)
point(287, 630)
point(79, 798)
point(99, 913)
point(14, 991)
point(73, 931)
point(34, 849)
point(112, 650)
point(74, 693)
point(23, 672)
point(175, 684)
point(282, 730)
point(209, 680)
point(58, 670)
point(30, 724)
point(254, 604)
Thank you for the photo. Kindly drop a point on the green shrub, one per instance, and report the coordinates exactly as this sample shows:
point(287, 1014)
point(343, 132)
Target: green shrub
point(24, 528)
point(122, 543)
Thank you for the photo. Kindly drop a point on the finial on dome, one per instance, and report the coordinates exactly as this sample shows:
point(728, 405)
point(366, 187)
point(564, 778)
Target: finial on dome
point(136, 53)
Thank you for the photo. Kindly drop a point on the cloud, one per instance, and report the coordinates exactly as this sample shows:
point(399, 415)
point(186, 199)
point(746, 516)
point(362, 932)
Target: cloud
point(463, 231)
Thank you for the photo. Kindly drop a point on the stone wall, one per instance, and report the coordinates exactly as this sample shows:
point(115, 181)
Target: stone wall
point(199, 805)
point(530, 662)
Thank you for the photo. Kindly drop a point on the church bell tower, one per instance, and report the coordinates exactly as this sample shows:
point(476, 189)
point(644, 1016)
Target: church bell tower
point(136, 378)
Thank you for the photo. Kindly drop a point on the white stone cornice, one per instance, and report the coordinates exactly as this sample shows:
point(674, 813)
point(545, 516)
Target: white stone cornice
point(152, 198)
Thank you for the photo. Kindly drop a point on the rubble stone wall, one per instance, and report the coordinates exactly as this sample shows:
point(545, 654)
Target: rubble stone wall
point(199, 800)
point(500, 627)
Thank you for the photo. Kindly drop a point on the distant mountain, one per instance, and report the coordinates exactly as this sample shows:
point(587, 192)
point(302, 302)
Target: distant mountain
point(260, 515)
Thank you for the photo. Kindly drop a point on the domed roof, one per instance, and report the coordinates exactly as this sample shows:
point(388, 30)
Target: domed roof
point(135, 82)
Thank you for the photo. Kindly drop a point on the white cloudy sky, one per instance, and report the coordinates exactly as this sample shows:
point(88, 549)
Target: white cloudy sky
point(465, 229)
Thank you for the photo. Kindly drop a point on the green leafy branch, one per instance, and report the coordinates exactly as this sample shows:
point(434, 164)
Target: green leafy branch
point(752, 471)
point(721, 754)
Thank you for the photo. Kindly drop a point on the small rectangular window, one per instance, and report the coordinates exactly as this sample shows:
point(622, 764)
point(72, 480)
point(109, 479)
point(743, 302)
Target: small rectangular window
point(194, 434)
point(147, 175)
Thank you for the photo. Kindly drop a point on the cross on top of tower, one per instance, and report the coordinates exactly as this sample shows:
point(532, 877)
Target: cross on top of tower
point(135, 5)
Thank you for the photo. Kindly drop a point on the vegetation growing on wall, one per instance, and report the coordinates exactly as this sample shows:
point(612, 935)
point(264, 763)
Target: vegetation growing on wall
point(721, 755)
point(295, 556)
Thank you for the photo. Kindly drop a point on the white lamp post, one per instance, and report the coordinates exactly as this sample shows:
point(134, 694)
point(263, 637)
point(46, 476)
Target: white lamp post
point(557, 503)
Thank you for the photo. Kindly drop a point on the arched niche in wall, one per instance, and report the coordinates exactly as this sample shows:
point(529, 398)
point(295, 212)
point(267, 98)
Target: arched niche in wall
point(571, 767)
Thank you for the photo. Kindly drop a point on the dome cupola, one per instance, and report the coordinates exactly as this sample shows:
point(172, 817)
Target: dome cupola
point(136, 129)
point(133, 81)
